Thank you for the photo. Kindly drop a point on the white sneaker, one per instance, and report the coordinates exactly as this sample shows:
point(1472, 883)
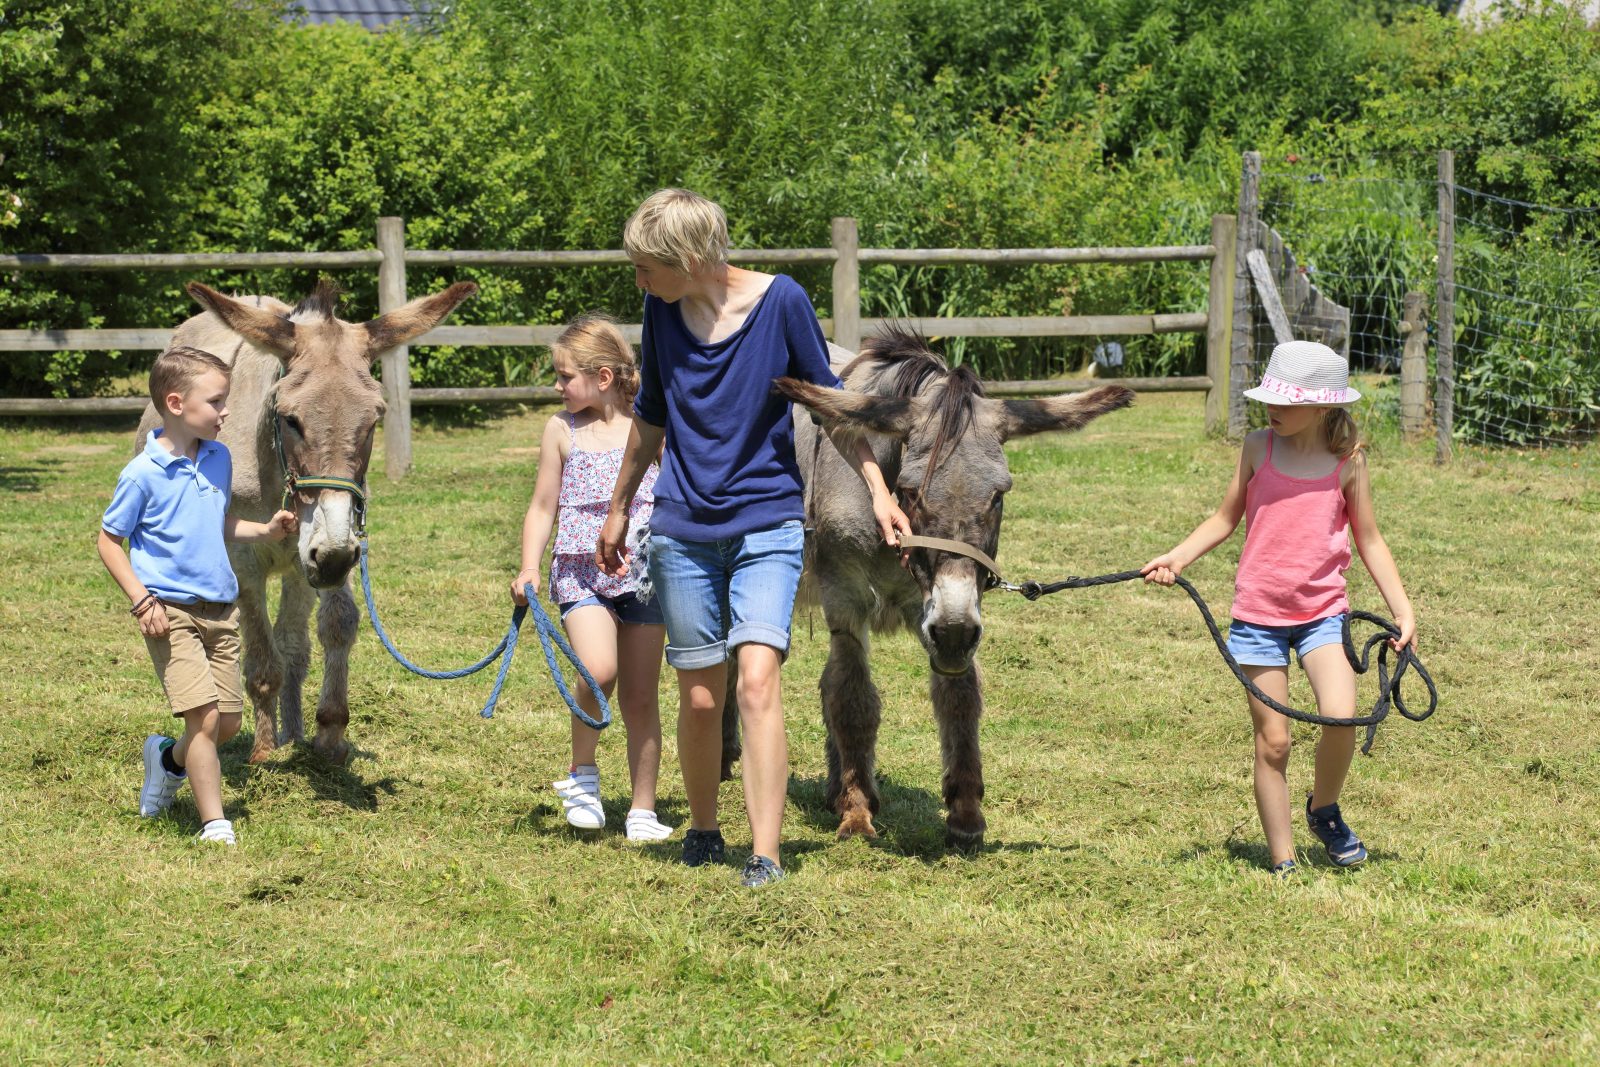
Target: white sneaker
point(218, 830)
point(159, 786)
point(580, 798)
point(643, 825)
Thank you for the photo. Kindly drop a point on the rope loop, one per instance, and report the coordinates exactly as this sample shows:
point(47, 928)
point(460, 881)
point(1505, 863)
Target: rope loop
point(1388, 685)
point(550, 638)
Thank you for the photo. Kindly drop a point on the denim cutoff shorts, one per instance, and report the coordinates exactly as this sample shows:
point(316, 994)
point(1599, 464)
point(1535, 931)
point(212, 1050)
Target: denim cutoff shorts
point(1254, 645)
point(718, 595)
point(627, 608)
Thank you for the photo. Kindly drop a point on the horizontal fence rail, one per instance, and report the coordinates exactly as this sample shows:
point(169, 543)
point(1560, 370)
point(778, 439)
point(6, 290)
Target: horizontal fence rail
point(845, 327)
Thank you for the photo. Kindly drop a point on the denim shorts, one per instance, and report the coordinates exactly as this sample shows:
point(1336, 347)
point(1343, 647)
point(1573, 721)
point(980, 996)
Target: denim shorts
point(1254, 645)
point(627, 608)
point(717, 595)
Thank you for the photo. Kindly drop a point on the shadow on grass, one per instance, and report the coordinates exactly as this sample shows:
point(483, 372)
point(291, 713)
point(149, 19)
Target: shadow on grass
point(29, 478)
point(910, 822)
point(327, 781)
point(1255, 854)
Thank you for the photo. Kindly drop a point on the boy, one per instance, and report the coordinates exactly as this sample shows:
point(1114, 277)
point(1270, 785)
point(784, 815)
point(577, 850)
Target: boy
point(171, 505)
point(726, 537)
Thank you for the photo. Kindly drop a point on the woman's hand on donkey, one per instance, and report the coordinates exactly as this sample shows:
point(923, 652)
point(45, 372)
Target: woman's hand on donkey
point(610, 555)
point(892, 522)
point(528, 576)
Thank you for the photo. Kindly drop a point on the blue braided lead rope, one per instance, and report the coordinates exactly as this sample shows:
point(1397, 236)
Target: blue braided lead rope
point(550, 638)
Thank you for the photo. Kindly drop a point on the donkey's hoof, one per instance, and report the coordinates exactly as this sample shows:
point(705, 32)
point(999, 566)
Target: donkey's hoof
point(336, 754)
point(964, 840)
point(262, 753)
point(856, 822)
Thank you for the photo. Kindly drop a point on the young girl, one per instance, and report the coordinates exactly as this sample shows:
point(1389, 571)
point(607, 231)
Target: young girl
point(1303, 489)
point(617, 636)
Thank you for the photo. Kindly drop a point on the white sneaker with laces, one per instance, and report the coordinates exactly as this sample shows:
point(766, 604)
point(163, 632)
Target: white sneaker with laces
point(580, 798)
point(159, 786)
point(218, 830)
point(643, 825)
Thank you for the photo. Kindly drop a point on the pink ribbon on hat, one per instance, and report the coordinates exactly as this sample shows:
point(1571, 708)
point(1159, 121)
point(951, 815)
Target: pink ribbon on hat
point(1300, 394)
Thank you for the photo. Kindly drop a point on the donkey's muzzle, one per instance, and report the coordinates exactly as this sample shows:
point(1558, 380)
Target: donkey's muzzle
point(328, 566)
point(951, 647)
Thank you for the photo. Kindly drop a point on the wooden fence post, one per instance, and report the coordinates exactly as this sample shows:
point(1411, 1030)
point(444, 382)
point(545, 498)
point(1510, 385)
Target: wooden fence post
point(396, 361)
point(1444, 303)
point(1242, 353)
point(846, 284)
point(1414, 366)
point(1219, 319)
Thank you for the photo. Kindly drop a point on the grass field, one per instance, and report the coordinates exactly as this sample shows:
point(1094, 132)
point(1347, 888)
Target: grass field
point(427, 903)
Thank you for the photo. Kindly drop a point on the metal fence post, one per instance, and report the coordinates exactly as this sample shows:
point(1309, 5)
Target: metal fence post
point(1243, 355)
point(846, 284)
point(396, 361)
point(1444, 411)
point(1219, 317)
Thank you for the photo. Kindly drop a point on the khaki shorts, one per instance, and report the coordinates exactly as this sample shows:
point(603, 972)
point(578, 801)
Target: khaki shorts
point(198, 660)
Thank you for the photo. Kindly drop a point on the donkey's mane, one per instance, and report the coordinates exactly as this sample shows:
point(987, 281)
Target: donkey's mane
point(899, 363)
point(323, 301)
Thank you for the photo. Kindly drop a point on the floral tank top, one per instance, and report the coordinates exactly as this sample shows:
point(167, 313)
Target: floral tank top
point(587, 482)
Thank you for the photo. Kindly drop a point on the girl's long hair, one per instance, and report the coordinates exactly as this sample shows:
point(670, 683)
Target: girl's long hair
point(593, 342)
point(1340, 432)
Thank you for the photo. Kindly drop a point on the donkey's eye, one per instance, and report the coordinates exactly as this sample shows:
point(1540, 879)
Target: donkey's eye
point(294, 424)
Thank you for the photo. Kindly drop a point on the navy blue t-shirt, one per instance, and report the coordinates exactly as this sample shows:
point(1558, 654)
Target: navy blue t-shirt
point(729, 466)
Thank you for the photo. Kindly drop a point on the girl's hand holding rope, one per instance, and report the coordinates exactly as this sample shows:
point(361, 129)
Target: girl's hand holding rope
point(527, 579)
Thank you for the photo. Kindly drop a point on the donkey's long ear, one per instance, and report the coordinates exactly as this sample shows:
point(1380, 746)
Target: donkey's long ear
point(270, 331)
point(840, 409)
point(1069, 412)
point(416, 318)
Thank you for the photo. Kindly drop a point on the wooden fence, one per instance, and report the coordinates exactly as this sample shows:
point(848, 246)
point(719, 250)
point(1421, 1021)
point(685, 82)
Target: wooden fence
point(846, 326)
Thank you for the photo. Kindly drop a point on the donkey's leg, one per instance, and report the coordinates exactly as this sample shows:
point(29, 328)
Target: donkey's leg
point(852, 711)
point(337, 622)
point(731, 748)
point(958, 705)
point(263, 663)
point(294, 647)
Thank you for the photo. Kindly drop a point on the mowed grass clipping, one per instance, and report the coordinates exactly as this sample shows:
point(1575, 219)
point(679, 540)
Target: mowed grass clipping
point(427, 903)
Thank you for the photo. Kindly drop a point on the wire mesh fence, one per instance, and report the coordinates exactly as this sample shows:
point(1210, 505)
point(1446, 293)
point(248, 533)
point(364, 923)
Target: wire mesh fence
point(1525, 296)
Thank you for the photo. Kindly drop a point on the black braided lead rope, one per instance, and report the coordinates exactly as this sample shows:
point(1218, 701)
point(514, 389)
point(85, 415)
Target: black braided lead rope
point(1388, 687)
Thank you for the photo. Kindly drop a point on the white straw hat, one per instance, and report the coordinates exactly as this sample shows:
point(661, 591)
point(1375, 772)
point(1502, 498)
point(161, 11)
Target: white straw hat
point(1304, 372)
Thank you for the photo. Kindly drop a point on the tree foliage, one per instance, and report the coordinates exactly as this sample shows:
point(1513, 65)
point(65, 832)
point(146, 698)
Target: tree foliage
point(188, 125)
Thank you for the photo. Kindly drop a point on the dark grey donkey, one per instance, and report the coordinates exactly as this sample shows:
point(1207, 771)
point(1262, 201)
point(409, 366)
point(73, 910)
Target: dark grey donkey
point(939, 441)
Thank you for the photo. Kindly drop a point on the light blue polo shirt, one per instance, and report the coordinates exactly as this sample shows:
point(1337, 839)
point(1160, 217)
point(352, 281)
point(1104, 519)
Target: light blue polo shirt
point(171, 511)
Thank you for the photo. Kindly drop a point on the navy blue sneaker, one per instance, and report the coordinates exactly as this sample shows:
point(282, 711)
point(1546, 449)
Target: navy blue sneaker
point(758, 870)
point(1285, 870)
point(1344, 847)
point(701, 847)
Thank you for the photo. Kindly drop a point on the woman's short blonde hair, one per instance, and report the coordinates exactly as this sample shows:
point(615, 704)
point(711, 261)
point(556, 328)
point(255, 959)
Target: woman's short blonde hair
point(679, 229)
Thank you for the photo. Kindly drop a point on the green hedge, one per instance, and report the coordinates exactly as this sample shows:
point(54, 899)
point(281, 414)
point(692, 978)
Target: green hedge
point(187, 125)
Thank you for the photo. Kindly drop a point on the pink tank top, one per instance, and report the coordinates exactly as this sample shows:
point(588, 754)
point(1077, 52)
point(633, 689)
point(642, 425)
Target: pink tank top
point(1296, 548)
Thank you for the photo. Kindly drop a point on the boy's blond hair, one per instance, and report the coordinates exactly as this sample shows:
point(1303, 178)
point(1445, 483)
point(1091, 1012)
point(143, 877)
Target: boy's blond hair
point(679, 229)
point(176, 369)
point(593, 342)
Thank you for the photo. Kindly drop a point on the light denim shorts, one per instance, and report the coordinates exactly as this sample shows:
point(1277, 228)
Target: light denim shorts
point(717, 595)
point(1254, 645)
point(627, 608)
